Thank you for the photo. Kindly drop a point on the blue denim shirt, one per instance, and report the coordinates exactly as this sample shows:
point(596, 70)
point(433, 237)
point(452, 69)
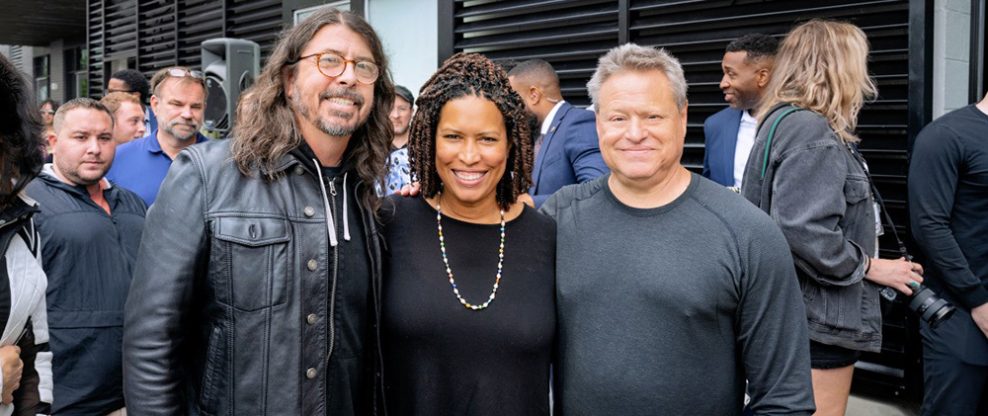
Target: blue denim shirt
point(819, 194)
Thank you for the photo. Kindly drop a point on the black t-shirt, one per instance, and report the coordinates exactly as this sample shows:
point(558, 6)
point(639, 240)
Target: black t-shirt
point(443, 359)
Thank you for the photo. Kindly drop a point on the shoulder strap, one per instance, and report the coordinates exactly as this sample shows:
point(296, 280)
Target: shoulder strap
point(771, 134)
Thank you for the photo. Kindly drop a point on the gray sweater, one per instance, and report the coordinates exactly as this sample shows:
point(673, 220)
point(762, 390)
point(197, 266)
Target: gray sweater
point(668, 310)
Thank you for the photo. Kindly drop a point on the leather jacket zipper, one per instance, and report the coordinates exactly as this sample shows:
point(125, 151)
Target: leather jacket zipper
point(336, 267)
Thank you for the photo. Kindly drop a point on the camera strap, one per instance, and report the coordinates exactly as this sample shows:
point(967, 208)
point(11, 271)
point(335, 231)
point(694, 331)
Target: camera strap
point(881, 203)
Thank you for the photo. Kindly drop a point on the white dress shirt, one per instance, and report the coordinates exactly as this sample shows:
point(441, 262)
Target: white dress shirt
point(746, 139)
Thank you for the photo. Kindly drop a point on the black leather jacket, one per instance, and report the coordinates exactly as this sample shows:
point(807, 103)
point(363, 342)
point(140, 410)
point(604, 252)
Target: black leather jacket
point(227, 312)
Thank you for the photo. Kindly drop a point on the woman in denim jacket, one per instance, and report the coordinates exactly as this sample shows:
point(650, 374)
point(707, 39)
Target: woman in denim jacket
point(811, 179)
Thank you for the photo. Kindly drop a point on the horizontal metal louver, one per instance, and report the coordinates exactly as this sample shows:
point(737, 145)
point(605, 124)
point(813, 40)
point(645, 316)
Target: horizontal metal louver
point(569, 34)
point(255, 20)
point(119, 27)
point(200, 20)
point(95, 43)
point(161, 33)
point(157, 28)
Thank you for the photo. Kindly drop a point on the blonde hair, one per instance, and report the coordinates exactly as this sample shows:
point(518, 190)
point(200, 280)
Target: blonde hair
point(113, 100)
point(823, 66)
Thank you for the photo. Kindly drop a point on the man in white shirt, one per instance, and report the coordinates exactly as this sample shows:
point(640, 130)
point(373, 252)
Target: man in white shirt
point(730, 133)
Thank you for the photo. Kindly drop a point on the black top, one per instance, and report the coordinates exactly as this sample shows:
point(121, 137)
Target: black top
point(443, 359)
point(348, 384)
point(948, 204)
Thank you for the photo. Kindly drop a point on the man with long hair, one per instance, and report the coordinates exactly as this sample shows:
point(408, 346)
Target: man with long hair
point(257, 284)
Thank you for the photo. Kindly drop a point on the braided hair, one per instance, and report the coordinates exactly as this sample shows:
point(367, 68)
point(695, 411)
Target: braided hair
point(470, 74)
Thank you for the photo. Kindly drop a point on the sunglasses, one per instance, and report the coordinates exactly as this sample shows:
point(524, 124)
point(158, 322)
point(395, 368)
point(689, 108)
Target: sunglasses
point(182, 72)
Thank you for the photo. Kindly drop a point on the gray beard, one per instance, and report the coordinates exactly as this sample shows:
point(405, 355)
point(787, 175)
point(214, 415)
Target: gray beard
point(168, 129)
point(331, 129)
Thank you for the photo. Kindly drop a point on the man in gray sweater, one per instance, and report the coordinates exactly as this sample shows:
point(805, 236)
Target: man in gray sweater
point(671, 290)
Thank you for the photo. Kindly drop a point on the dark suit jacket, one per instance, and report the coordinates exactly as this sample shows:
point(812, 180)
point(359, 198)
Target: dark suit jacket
point(569, 153)
point(720, 133)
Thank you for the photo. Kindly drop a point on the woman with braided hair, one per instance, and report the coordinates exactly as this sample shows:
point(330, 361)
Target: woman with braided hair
point(468, 299)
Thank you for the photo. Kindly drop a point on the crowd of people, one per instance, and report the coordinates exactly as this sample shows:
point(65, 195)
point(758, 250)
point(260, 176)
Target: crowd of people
point(484, 248)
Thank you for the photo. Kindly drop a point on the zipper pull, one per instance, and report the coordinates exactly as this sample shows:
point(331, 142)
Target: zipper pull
point(332, 187)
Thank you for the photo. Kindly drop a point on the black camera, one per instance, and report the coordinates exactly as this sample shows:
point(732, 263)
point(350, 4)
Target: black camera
point(931, 308)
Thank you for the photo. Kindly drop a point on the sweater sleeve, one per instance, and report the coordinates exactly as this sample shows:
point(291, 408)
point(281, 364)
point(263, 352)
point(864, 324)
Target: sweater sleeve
point(771, 328)
point(933, 176)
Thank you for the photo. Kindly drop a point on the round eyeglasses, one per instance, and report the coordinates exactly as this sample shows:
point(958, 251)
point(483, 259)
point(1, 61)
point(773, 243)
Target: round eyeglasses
point(333, 65)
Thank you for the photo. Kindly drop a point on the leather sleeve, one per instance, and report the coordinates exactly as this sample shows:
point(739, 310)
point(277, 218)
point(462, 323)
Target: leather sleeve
point(157, 313)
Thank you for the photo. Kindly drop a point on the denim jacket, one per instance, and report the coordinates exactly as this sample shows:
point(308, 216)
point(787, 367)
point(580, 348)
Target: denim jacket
point(818, 192)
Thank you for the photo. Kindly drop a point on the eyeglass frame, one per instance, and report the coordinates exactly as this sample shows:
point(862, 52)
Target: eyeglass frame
point(346, 62)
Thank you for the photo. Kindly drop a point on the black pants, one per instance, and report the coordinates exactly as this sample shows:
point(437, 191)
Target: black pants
point(954, 385)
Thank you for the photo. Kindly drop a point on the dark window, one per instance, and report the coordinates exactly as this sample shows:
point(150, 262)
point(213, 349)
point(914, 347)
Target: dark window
point(76, 73)
point(42, 78)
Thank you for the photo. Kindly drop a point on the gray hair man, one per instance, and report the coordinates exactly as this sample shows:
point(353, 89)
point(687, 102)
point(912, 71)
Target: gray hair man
point(684, 290)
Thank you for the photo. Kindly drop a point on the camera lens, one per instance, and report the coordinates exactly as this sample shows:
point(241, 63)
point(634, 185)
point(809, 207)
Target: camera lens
point(930, 307)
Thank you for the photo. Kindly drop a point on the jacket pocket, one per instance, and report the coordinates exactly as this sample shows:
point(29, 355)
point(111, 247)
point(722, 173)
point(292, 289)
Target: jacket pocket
point(856, 189)
point(253, 259)
point(212, 374)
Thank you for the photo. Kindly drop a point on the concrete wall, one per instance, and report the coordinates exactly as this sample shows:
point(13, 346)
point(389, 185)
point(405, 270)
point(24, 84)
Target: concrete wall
point(56, 62)
point(409, 31)
point(56, 68)
point(951, 55)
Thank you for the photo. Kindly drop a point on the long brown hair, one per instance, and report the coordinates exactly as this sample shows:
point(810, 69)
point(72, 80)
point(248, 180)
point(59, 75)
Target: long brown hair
point(823, 66)
point(462, 75)
point(265, 129)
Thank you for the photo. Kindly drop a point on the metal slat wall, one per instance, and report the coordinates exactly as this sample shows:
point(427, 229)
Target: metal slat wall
point(255, 20)
point(94, 40)
point(156, 35)
point(570, 34)
point(162, 33)
point(198, 20)
point(573, 34)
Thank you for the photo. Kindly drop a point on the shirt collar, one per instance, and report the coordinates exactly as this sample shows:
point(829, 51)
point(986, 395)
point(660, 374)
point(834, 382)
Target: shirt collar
point(49, 170)
point(547, 123)
point(154, 147)
point(747, 118)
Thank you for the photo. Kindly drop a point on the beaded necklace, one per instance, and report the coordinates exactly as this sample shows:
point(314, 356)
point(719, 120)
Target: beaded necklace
point(449, 272)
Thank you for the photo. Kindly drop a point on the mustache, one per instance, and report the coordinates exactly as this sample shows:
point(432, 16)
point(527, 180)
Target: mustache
point(342, 93)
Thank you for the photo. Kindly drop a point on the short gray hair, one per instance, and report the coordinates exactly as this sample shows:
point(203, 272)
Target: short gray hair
point(638, 58)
